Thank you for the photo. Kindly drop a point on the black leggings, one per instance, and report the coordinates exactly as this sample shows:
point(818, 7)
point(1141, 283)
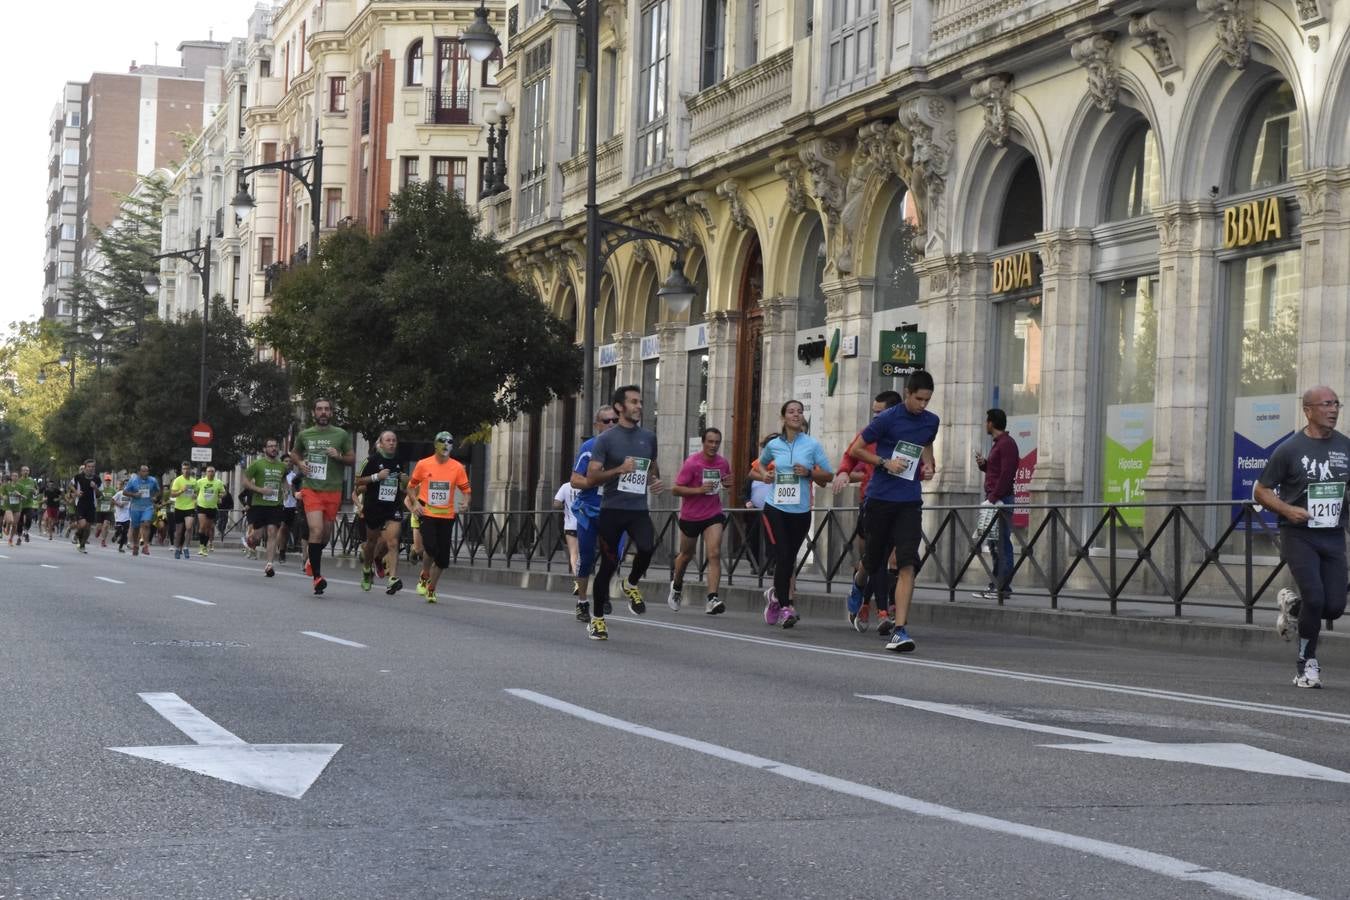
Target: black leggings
point(786, 531)
point(436, 536)
point(1316, 559)
point(611, 525)
point(121, 529)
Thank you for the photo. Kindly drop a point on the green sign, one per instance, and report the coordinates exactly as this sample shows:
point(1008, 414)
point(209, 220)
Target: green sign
point(1127, 455)
point(901, 352)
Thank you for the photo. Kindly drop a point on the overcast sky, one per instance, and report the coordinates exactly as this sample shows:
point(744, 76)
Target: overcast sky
point(50, 45)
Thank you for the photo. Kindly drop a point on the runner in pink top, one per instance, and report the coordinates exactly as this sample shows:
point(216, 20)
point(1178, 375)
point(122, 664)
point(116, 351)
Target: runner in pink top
point(699, 486)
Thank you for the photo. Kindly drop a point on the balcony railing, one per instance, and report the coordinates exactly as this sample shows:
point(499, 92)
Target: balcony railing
point(448, 107)
point(752, 102)
point(960, 22)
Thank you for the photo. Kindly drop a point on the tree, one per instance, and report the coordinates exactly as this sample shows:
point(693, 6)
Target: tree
point(30, 351)
point(419, 328)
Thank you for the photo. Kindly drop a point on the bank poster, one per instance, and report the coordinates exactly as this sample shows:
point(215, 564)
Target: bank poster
point(1127, 454)
point(1024, 430)
point(1260, 424)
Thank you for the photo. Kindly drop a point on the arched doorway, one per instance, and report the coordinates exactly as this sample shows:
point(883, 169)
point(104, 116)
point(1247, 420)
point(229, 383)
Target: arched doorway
point(749, 364)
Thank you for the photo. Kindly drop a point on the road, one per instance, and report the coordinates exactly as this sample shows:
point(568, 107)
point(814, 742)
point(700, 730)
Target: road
point(488, 749)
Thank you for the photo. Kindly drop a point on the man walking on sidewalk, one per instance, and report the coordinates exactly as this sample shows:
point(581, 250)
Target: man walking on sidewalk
point(999, 470)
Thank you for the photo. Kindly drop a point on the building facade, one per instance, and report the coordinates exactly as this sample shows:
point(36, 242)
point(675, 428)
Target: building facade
point(63, 203)
point(1121, 223)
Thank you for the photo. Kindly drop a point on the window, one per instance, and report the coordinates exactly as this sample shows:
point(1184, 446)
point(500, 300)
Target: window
point(750, 30)
point(69, 195)
point(452, 174)
point(412, 69)
point(714, 42)
point(269, 151)
point(533, 133)
point(265, 68)
point(491, 66)
point(266, 253)
point(897, 284)
point(337, 94)
point(71, 155)
point(332, 207)
point(654, 37)
point(409, 174)
point(68, 231)
point(482, 176)
point(73, 118)
point(851, 58)
point(1137, 185)
point(1021, 217)
point(609, 86)
point(1128, 365)
point(1270, 149)
point(453, 82)
point(810, 296)
point(237, 271)
point(65, 269)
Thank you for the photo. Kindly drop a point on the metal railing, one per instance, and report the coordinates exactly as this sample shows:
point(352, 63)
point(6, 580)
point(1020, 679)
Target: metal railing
point(448, 107)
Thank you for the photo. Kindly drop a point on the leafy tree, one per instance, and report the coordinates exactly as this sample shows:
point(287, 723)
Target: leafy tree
point(419, 328)
point(27, 356)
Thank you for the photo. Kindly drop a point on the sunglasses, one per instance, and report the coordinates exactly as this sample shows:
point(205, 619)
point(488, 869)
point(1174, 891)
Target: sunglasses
point(609, 421)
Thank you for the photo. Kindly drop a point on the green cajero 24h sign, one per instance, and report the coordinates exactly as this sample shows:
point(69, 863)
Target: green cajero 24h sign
point(901, 352)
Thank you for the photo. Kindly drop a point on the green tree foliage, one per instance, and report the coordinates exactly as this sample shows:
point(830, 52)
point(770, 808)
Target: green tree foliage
point(142, 411)
point(419, 328)
point(30, 354)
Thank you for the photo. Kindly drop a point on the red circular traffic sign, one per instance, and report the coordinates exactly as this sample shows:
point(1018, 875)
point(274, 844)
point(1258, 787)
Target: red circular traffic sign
point(202, 435)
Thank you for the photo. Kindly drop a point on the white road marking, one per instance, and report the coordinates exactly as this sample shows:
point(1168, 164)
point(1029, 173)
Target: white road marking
point(285, 769)
point(109, 580)
point(193, 600)
point(1242, 757)
point(336, 640)
point(1157, 863)
point(46, 566)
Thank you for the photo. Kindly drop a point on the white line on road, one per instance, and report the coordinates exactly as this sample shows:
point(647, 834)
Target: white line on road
point(185, 718)
point(1157, 863)
point(109, 580)
point(193, 600)
point(46, 566)
point(336, 640)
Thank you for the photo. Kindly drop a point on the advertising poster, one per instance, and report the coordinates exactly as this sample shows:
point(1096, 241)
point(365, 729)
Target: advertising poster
point(1260, 424)
point(810, 389)
point(1023, 430)
point(1128, 452)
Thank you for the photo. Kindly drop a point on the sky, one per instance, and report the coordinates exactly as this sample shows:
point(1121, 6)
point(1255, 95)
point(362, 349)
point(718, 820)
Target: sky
point(69, 42)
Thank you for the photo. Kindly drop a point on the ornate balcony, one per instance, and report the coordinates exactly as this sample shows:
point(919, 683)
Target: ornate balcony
point(751, 102)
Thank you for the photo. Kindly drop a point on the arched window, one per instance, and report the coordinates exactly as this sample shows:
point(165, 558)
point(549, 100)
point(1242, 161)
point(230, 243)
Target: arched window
point(607, 326)
point(1021, 217)
point(811, 299)
point(413, 67)
point(699, 308)
point(1270, 148)
point(897, 285)
point(652, 314)
point(1136, 186)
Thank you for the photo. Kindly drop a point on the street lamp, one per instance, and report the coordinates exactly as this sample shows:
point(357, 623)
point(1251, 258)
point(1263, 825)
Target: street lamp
point(481, 40)
point(200, 260)
point(63, 360)
point(308, 170)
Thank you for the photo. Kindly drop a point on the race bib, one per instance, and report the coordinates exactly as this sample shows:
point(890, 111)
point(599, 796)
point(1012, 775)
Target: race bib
point(104, 505)
point(144, 493)
point(209, 495)
point(270, 494)
point(438, 494)
point(389, 491)
point(189, 492)
point(318, 468)
point(907, 451)
point(635, 482)
point(787, 489)
point(712, 478)
point(1325, 500)
point(15, 499)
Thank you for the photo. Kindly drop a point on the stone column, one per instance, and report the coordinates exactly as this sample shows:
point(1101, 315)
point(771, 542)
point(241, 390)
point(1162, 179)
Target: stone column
point(848, 307)
point(1324, 315)
point(670, 436)
point(508, 451)
point(723, 330)
point(629, 367)
point(780, 349)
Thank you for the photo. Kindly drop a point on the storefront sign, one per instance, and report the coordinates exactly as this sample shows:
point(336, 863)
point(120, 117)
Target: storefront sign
point(810, 390)
point(1260, 424)
point(696, 337)
point(901, 352)
point(1128, 452)
point(650, 347)
point(1253, 223)
point(1014, 272)
point(1025, 431)
point(609, 355)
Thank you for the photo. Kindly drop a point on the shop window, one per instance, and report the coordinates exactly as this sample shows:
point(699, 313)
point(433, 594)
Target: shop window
point(1270, 148)
point(699, 308)
point(811, 297)
point(1128, 367)
point(1136, 186)
point(897, 284)
point(1021, 217)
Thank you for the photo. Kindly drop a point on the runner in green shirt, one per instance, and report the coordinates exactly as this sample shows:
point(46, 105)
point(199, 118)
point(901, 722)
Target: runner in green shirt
point(32, 504)
point(321, 453)
point(266, 479)
point(209, 490)
point(105, 509)
point(183, 494)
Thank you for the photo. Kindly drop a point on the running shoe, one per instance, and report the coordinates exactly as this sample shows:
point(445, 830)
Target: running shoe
point(1311, 677)
point(715, 606)
point(177, 554)
point(268, 571)
point(309, 569)
point(855, 602)
point(583, 611)
point(1286, 623)
point(145, 549)
point(135, 551)
point(367, 579)
point(320, 584)
point(673, 598)
point(635, 604)
point(860, 621)
point(884, 623)
point(771, 607)
point(84, 549)
point(788, 617)
point(900, 641)
point(431, 596)
point(421, 587)
point(395, 585)
point(121, 548)
point(201, 551)
point(991, 595)
point(597, 631)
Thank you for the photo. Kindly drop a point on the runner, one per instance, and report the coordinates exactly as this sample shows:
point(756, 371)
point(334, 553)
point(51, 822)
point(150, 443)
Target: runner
point(31, 505)
point(11, 502)
point(699, 486)
point(183, 495)
point(564, 500)
point(51, 495)
point(288, 509)
point(1311, 469)
point(797, 458)
point(431, 492)
point(383, 480)
point(85, 485)
point(143, 488)
point(853, 470)
point(623, 459)
point(586, 509)
point(121, 516)
point(210, 491)
point(320, 453)
point(105, 510)
point(903, 457)
point(264, 479)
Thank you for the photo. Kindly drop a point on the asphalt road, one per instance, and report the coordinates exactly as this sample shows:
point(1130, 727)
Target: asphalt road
point(488, 749)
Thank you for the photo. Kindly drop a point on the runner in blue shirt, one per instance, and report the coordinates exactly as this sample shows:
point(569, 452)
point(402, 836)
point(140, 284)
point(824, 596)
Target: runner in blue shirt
point(903, 459)
point(143, 489)
point(586, 508)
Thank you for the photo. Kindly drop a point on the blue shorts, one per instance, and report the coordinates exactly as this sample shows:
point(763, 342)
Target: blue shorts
point(141, 517)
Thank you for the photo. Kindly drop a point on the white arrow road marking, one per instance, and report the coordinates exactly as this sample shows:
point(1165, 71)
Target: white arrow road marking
point(336, 640)
point(1221, 756)
point(285, 769)
point(46, 566)
point(193, 600)
point(1157, 863)
point(109, 580)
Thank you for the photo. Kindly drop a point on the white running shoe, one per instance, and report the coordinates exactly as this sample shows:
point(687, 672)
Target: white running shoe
point(1311, 677)
point(1287, 621)
point(673, 598)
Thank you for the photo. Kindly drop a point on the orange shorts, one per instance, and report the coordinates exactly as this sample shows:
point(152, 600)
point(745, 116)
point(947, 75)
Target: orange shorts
point(326, 502)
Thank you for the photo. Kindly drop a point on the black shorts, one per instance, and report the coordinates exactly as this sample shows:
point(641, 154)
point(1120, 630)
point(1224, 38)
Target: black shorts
point(105, 517)
point(696, 529)
point(376, 518)
point(570, 532)
point(287, 516)
point(86, 513)
point(892, 525)
point(181, 516)
point(265, 516)
point(209, 513)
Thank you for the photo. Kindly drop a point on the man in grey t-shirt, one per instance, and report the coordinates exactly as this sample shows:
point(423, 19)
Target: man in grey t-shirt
point(624, 461)
point(1304, 483)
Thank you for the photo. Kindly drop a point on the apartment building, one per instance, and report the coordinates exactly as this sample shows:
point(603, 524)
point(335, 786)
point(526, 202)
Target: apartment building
point(63, 203)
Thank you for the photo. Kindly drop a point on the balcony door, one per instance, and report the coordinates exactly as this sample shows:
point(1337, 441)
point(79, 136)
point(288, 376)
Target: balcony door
point(453, 81)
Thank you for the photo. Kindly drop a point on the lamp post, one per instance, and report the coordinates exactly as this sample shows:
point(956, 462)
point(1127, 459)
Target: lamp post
point(63, 361)
point(97, 335)
point(308, 170)
point(200, 260)
point(677, 293)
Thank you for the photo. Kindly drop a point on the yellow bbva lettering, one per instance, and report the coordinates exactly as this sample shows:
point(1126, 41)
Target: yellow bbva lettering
point(1273, 227)
point(1246, 221)
point(1230, 227)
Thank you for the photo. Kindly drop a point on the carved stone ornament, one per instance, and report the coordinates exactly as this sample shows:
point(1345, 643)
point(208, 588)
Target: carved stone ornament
point(1175, 231)
point(732, 194)
point(682, 218)
point(613, 14)
point(1096, 54)
point(1309, 13)
point(930, 123)
point(790, 170)
point(1159, 33)
point(874, 154)
point(992, 93)
point(820, 157)
point(1232, 30)
point(701, 202)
